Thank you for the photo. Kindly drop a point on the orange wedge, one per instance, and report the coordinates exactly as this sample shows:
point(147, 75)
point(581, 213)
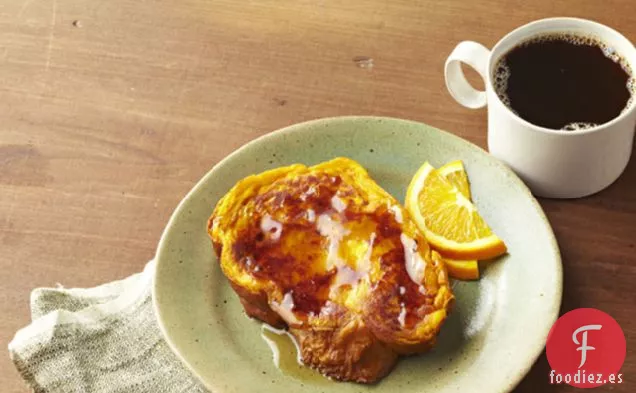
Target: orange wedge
point(462, 270)
point(448, 219)
point(456, 174)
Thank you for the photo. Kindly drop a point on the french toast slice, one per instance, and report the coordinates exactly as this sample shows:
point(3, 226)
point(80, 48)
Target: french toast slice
point(325, 252)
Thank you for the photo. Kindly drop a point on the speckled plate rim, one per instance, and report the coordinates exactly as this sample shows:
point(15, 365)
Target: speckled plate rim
point(552, 313)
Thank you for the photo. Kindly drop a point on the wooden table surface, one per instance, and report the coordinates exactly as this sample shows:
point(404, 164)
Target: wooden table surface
point(110, 111)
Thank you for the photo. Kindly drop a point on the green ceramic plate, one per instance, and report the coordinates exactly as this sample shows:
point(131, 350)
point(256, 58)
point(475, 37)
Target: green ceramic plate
point(488, 344)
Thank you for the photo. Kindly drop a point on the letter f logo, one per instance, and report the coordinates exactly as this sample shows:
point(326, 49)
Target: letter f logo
point(584, 347)
point(575, 330)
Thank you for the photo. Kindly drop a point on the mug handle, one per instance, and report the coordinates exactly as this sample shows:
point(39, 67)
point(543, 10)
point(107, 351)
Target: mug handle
point(475, 55)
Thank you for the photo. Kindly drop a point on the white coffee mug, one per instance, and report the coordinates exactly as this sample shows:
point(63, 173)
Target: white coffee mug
point(557, 164)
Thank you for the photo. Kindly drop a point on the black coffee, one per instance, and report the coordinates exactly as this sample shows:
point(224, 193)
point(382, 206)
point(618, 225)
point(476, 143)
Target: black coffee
point(564, 82)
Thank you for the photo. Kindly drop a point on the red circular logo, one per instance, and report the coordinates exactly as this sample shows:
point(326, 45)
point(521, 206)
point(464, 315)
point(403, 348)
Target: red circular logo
point(586, 348)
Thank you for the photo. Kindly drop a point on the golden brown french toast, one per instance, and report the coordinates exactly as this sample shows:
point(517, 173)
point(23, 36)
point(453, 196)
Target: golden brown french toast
point(327, 253)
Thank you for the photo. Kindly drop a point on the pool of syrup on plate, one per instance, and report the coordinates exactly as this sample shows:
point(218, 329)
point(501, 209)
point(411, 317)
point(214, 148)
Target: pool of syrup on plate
point(286, 356)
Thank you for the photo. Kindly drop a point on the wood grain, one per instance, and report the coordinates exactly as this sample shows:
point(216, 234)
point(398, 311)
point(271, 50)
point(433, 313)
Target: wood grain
point(111, 110)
